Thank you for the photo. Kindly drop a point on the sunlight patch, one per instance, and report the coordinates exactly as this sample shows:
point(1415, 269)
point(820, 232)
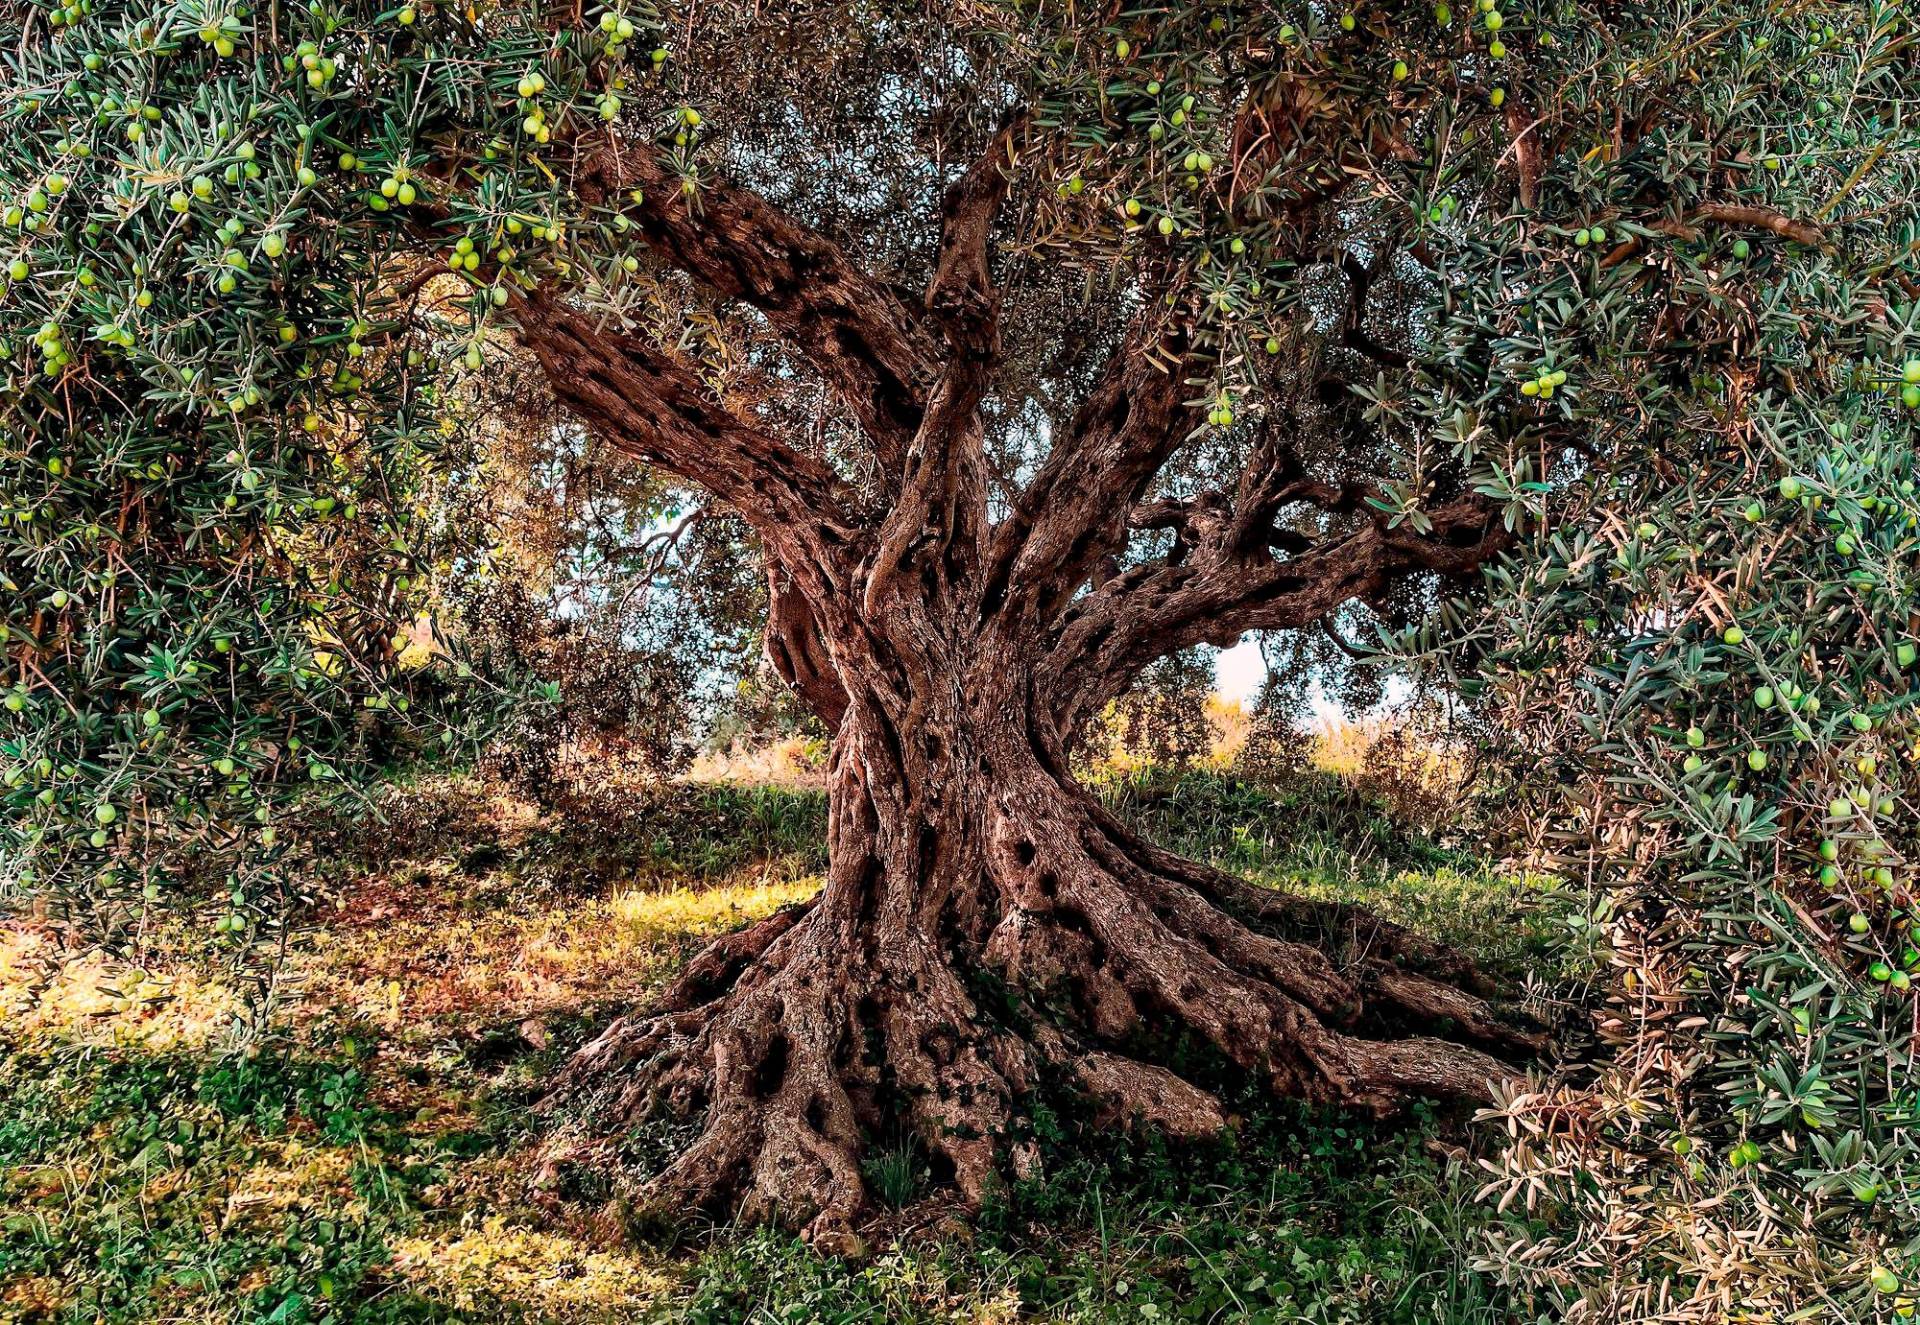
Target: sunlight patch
point(552, 1276)
point(508, 965)
point(93, 999)
point(708, 910)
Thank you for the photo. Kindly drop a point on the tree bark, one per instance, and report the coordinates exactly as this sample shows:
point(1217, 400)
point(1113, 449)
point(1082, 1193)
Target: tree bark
point(986, 927)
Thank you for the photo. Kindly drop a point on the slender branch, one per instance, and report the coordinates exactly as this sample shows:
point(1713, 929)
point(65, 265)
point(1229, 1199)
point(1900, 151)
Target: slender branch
point(1221, 592)
point(658, 548)
point(1332, 632)
point(662, 542)
point(1353, 327)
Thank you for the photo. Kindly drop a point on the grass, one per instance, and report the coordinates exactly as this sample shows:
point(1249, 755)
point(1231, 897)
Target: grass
point(367, 1155)
point(1321, 838)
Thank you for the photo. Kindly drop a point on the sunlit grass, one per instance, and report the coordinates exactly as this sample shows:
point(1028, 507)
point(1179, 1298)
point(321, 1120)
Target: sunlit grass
point(293, 1174)
point(191, 1183)
point(674, 912)
point(1321, 838)
point(410, 971)
point(497, 1269)
point(50, 995)
point(793, 762)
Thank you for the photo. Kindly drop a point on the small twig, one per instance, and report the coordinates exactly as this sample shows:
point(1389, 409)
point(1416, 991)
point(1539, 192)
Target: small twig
point(1353, 651)
point(1762, 218)
point(662, 545)
point(1852, 182)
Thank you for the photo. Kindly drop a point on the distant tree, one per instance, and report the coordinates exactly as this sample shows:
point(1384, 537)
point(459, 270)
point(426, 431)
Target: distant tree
point(1028, 345)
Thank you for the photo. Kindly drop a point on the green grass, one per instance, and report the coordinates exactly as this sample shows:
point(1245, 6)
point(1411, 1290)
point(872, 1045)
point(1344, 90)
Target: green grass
point(1303, 1220)
point(119, 1165)
point(368, 1157)
point(1321, 838)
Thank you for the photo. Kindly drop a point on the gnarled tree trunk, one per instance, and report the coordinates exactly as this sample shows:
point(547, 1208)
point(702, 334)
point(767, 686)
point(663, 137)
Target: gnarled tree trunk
point(985, 924)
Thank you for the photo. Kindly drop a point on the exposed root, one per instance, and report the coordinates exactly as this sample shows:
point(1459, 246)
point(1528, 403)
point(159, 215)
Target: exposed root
point(763, 1067)
point(1329, 926)
point(1139, 936)
point(797, 1039)
point(720, 963)
point(1128, 1093)
point(1430, 1002)
point(785, 1068)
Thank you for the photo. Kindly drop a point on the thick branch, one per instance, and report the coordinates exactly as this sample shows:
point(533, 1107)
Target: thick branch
point(1275, 476)
point(857, 332)
point(1762, 218)
point(653, 407)
point(941, 514)
point(1245, 521)
point(1524, 130)
point(1074, 512)
point(1073, 517)
point(1737, 215)
point(1218, 595)
point(940, 518)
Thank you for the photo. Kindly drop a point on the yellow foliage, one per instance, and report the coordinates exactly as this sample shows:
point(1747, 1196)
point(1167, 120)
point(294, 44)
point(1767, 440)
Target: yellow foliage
point(92, 999)
point(416, 646)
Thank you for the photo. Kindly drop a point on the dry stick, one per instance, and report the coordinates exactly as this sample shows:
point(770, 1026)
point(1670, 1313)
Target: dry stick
point(1852, 182)
point(1724, 213)
point(1764, 218)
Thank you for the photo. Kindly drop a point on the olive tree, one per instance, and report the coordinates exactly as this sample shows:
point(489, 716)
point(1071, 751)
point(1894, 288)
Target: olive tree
point(1031, 345)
